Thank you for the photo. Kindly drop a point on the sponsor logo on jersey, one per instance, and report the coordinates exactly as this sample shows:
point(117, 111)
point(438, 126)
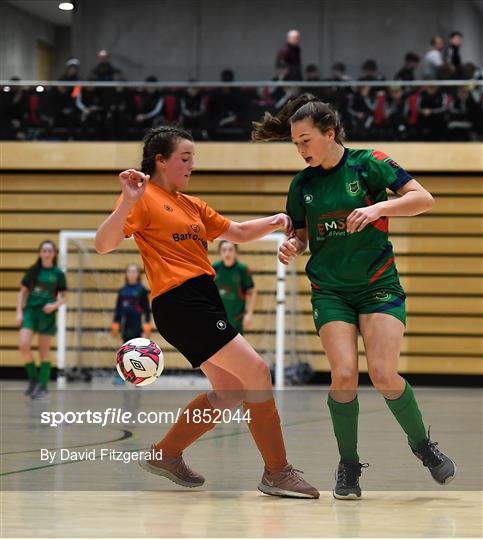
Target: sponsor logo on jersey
point(168, 208)
point(316, 313)
point(195, 228)
point(181, 237)
point(354, 187)
point(221, 325)
point(308, 198)
point(382, 295)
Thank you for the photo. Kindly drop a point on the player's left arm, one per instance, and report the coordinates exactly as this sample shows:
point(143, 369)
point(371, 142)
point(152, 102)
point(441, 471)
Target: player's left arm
point(253, 229)
point(413, 199)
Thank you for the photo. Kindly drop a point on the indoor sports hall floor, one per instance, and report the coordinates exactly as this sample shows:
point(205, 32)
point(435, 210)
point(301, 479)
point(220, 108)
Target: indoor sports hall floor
point(112, 499)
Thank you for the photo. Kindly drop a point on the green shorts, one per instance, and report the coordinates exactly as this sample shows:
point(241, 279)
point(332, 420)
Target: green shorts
point(346, 305)
point(39, 322)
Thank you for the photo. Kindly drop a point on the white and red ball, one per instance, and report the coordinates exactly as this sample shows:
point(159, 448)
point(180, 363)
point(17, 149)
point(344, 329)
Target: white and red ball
point(140, 361)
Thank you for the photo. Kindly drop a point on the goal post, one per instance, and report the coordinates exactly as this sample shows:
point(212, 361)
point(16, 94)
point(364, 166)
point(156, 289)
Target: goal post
point(67, 237)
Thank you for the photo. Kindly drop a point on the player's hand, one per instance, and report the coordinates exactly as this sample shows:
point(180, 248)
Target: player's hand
point(115, 328)
point(49, 308)
point(247, 321)
point(289, 250)
point(19, 318)
point(133, 184)
point(359, 218)
point(147, 329)
point(282, 221)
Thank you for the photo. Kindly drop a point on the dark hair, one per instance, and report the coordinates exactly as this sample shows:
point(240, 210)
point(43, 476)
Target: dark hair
point(455, 33)
point(311, 67)
point(227, 242)
point(339, 66)
point(227, 75)
point(161, 140)
point(370, 65)
point(411, 57)
point(34, 271)
point(277, 128)
point(138, 269)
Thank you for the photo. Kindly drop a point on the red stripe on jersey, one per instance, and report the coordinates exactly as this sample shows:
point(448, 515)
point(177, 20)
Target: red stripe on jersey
point(381, 224)
point(315, 286)
point(381, 156)
point(382, 270)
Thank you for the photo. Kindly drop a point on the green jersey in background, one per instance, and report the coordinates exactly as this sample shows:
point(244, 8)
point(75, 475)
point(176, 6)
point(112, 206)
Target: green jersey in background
point(49, 282)
point(233, 283)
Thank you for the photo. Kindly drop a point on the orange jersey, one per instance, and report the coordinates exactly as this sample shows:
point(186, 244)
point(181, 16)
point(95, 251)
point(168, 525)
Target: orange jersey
point(172, 231)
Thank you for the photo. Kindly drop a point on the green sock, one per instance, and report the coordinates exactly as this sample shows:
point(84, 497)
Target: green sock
point(345, 417)
point(407, 413)
point(44, 376)
point(32, 372)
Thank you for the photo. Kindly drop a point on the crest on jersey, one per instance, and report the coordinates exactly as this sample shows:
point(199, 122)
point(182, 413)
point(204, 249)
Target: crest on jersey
point(354, 187)
point(308, 198)
point(195, 228)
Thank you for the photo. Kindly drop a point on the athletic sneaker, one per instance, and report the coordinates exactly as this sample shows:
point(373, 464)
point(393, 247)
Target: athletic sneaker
point(40, 393)
point(347, 479)
point(287, 483)
point(30, 388)
point(441, 467)
point(173, 468)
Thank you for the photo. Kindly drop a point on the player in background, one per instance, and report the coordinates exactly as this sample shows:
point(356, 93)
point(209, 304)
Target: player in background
point(236, 287)
point(43, 290)
point(339, 205)
point(131, 305)
point(172, 231)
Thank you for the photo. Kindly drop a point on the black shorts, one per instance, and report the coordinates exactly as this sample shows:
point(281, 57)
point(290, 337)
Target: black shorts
point(192, 318)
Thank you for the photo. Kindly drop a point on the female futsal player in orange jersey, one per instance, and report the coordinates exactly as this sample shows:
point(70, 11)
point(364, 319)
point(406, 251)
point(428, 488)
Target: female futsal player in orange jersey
point(172, 231)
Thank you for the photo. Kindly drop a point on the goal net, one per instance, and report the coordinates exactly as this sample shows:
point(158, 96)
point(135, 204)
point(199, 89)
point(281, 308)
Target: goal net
point(87, 349)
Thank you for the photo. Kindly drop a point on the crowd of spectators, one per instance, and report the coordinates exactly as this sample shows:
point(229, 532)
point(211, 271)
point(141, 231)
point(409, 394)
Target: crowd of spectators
point(395, 112)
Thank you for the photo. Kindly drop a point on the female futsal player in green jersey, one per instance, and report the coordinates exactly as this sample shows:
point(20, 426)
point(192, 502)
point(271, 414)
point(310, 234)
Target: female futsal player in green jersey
point(339, 205)
point(43, 290)
point(236, 287)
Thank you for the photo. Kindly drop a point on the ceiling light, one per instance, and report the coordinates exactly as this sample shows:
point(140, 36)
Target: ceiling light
point(66, 6)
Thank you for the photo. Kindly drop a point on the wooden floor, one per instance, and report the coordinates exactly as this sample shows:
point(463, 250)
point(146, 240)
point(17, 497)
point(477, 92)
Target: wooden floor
point(113, 499)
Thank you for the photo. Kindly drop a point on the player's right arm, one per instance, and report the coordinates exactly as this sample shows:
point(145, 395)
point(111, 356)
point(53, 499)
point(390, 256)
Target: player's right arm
point(21, 299)
point(111, 232)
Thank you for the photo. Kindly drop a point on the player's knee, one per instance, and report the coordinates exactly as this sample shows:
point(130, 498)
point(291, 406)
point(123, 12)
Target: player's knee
point(382, 378)
point(261, 375)
point(24, 346)
point(344, 379)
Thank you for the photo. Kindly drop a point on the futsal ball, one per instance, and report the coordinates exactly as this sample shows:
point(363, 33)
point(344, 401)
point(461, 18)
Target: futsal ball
point(140, 361)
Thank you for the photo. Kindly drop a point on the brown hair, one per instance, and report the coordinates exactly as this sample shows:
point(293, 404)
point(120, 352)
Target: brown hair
point(277, 128)
point(161, 140)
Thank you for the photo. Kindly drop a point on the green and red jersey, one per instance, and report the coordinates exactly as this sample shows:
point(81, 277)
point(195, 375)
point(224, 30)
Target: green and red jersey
point(233, 282)
point(321, 200)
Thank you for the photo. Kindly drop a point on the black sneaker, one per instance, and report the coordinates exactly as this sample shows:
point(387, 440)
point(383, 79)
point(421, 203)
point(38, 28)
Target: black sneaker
point(441, 467)
point(347, 479)
point(40, 393)
point(30, 388)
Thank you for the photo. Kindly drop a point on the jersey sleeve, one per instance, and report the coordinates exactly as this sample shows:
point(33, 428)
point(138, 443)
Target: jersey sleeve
point(215, 224)
point(61, 281)
point(295, 208)
point(247, 280)
point(384, 172)
point(137, 219)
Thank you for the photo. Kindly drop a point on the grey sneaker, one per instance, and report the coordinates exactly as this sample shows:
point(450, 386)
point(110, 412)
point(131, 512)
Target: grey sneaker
point(175, 469)
point(347, 479)
point(441, 467)
point(287, 483)
point(39, 393)
point(30, 388)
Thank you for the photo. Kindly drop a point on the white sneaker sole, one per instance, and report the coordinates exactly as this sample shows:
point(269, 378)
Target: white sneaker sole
point(450, 478)
point(350, 497)
point(277, 492)
point(144, 464)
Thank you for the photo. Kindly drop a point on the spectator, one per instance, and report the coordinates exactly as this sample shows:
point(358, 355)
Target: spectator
point(312, 74)
point(193, 111)
point(72, 71)
point(339, 72)
point(370, 71)
point(290, 55)
point(433, 59)
point(90, 104)
point(226, 111)
point(151, 114)
point(464, 114)
point(406, 73)
point(104, 71)
point(65, 113)
point(453, 55)
point(396, 111)
point(432, 108)
point(339, 95)
point(361, 110)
